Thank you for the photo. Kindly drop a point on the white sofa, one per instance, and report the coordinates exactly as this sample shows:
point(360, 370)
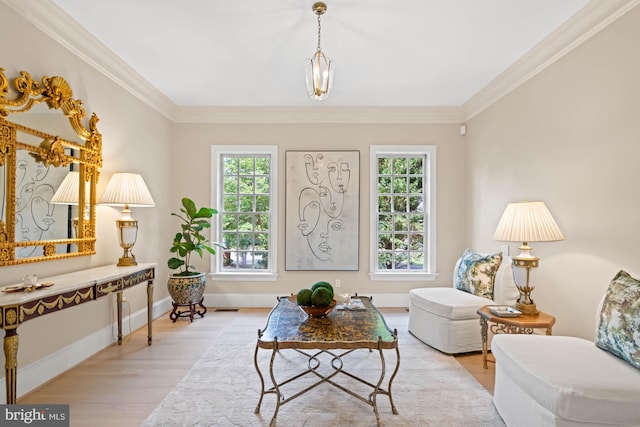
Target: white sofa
point(563, 381)
point(446, 318)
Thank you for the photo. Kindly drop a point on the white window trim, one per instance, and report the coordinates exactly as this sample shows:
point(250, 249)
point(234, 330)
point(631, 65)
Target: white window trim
point(430, 206)
point(217, 151)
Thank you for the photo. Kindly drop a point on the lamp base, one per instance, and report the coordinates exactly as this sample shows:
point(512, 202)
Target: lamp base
point(529, 309)
point(126, 261)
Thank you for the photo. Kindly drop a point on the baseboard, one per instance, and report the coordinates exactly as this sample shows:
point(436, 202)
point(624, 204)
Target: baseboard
point(40, 372)
point(269, 300)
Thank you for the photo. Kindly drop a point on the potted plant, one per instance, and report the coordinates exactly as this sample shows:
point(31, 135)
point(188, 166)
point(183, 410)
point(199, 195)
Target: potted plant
point(186, 286)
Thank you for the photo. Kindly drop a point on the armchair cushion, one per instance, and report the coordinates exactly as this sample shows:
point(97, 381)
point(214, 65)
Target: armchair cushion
point(562, 381)
point(476, 273)
point(447, 303)
point(618, 329)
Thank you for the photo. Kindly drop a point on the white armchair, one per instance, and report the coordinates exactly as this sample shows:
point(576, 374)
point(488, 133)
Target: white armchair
point(564, 381)
point(446, 318)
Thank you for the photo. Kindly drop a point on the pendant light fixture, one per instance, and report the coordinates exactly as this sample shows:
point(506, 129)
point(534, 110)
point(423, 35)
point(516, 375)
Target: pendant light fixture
point(319, 68)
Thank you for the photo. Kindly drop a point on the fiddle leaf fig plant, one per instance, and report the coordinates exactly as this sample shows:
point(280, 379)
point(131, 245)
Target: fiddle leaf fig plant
point(190, 239)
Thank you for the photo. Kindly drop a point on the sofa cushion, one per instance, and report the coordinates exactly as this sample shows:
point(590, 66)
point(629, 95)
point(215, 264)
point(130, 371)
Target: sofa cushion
point(476, 273)
point(449, 303)
point(571, 377)
point(618, 329)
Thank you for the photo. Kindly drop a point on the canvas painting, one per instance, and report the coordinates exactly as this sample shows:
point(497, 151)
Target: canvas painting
point(322, 210)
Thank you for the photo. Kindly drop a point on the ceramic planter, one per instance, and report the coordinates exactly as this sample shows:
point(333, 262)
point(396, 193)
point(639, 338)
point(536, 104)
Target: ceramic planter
point(186, 290)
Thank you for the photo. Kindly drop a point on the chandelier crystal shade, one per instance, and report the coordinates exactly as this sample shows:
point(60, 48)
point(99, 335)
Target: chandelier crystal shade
point(319, 68)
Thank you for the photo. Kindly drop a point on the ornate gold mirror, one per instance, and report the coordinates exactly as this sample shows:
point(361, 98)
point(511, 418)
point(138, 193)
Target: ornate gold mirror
point(49, 165)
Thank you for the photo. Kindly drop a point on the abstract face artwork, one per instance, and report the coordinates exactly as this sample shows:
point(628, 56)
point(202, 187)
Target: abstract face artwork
point(322, 205)
point(36, 217)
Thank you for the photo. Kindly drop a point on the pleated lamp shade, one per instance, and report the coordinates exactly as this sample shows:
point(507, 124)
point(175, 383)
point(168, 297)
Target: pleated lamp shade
point(126, 189)
point(68, 191)
point(68, 194)
point(527, 222)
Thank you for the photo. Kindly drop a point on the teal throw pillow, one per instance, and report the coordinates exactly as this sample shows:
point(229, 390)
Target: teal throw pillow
point(619, 325)
point(476, 273)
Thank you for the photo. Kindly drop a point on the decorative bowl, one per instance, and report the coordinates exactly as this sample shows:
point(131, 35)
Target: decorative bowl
point(312, 310)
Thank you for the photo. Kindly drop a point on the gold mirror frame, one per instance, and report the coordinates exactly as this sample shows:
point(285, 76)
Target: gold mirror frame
point(52, 151)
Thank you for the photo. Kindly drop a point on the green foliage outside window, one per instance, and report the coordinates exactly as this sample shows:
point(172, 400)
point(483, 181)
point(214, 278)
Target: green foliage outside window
point(246, 215)
point(401, 215)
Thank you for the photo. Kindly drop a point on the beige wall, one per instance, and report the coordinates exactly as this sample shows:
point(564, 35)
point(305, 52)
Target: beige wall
point(192, 174)
point(136, 139)
point(570, 137)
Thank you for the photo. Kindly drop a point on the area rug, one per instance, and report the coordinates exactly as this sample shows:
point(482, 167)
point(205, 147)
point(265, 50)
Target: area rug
point(223, 388)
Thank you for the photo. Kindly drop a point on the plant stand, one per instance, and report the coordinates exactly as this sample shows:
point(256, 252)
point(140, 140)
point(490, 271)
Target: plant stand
point(175, 313)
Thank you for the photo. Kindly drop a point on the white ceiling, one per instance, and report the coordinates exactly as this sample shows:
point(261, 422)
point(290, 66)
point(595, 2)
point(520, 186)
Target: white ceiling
point(387, 53)
point(402, 61)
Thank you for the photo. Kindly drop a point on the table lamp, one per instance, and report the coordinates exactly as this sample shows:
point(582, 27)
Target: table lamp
point(128, 190)
point(526, 222)
point(68, 194)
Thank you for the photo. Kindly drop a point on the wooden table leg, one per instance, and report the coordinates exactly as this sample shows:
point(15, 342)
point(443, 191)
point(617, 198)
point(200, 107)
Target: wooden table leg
point(11, 364)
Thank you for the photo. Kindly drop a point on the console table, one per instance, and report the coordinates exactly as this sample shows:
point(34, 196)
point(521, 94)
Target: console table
point(68, 290)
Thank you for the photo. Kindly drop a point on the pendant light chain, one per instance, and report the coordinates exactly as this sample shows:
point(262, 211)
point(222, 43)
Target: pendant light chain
point(319, 33)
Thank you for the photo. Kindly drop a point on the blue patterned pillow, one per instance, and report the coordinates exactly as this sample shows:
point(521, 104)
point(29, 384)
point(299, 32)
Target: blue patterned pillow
point(476, 273)
point(619, 327)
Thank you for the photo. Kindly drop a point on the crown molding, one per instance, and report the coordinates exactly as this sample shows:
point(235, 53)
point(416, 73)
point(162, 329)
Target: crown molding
point(401, 115)
point(53, 21)
point(57, 24)
point(595, 16)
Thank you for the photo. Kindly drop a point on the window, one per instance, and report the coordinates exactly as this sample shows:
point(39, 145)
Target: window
point(244, 189)
point(402, 212)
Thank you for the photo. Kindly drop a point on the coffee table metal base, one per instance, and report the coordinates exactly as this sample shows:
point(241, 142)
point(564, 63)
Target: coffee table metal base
point(312, 369)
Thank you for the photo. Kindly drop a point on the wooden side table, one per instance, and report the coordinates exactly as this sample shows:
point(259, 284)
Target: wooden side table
point(523, 324)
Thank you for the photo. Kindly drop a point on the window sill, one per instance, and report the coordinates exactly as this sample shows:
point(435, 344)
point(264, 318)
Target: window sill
point(244, 277)
point(402, 277)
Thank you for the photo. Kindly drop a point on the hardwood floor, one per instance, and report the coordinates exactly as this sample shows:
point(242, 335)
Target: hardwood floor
point(121, 385)
point(472, 362)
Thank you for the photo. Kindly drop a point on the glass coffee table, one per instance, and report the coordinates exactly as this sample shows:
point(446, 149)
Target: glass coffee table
point(336, 336)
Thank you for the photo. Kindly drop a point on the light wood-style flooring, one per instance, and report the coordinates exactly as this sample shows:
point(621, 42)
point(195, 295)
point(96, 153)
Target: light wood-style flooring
point(121, 385)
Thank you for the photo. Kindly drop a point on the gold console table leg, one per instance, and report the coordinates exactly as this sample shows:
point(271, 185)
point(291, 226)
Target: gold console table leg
point(11, 364)
point(119, 309)
point(149, 311)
